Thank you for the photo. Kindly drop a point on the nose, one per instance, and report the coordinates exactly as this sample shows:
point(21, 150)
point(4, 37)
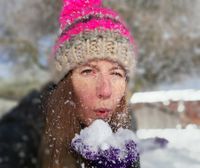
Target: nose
point(103, 88)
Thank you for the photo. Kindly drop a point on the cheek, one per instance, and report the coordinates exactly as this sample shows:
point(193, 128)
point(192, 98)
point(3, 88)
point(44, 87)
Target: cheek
point(85, 93)
point(86, 104)
point(119, 89)
point(85, 96)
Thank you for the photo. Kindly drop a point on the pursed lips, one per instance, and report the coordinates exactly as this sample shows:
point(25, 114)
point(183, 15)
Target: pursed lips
point(102, 112)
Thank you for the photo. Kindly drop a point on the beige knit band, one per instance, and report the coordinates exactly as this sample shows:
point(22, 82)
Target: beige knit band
point(92, 45)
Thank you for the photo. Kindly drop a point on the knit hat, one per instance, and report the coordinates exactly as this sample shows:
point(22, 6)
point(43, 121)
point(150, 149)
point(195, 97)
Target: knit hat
point(90, 31)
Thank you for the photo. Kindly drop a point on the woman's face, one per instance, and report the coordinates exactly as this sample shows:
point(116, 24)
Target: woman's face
point(99, 86)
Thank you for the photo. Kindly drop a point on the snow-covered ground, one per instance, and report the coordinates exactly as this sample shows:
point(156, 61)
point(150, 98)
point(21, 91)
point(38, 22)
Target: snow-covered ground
point(166, 96)
point(182, 151)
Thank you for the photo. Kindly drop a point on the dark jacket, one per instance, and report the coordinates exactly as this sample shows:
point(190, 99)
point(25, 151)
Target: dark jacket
point(20, 133)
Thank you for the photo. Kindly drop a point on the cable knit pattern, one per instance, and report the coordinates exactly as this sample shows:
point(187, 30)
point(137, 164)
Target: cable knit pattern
point(89, 31)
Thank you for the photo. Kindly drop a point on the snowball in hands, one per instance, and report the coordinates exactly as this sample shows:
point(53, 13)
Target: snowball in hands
point(104, 148)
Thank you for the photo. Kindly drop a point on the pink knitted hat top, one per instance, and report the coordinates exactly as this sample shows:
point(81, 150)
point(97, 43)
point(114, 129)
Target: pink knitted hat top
point(90, 31)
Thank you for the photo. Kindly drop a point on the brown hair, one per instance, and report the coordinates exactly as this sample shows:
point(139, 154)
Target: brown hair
point(62, 124)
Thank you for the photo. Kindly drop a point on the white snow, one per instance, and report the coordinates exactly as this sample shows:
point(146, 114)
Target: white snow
point(99, 135)
point(165, 96)
point(182, 151)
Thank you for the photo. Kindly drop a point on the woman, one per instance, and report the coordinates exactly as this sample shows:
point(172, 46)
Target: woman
point(93, 59)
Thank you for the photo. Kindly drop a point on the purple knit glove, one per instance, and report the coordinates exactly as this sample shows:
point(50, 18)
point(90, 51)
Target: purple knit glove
point(109, 158)
point(116, 150)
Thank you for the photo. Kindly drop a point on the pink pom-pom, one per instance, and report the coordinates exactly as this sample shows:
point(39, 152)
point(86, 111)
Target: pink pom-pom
point(82, 3)
point(72, 9)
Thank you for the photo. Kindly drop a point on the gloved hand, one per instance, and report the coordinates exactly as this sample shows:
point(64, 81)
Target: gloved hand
point(111, 150)
point(110, 158)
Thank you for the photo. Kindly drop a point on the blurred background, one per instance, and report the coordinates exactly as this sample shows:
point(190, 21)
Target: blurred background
point(167, 33)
